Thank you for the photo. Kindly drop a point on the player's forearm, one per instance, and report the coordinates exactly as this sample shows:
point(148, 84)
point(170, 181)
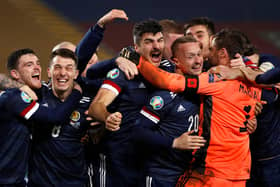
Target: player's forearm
point(270, 77)
point(98, 111)
point(88, 45)
point(162, 79)
point(250, 74)
point(53, 116)
point(6, 82)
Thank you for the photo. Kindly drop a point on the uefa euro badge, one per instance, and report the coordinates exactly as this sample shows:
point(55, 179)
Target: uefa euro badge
point(156, 102)
point(114, 73)
point(25, 97)
point(74, 118)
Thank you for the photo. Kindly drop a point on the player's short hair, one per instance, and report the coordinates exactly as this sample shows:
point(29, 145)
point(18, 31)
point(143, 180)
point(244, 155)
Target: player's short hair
point(182, 40)
point(209, 24)
point(65, 53)
point(234, 41)
point(170, 26)
point(13, 59)
point(147, 26)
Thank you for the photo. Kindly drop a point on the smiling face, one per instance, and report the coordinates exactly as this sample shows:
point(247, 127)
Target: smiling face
point(62, 72)
point(151, 47)
point(28, 71)
point(188, 58)
point(201, 34)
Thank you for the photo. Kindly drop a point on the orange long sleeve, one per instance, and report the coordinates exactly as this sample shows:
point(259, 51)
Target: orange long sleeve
point(160, 78)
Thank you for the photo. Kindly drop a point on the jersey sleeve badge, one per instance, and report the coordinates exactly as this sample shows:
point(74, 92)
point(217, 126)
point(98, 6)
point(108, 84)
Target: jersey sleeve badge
point(25, 97)
point(114, 73)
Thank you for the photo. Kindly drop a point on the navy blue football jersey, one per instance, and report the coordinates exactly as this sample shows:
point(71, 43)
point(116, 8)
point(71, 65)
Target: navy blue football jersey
point(17, 108)
point(271, 66)
point(169, 115)
point(131, 96)
point(57, 153)
point(14, 136)
point(265, 141)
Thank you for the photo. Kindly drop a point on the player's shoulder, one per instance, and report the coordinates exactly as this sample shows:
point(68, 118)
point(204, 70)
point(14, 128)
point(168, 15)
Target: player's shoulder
point(269, 60)
point(10, 92)
point(115, 74)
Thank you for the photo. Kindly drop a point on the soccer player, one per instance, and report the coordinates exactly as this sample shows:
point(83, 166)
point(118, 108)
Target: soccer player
point(203, 30)
point(225, 160)
point(57, 154)
point(17, 110)
point(124, 99)
point(86, 53)
point(264, 142)
point(171, 31)
point(168, 117)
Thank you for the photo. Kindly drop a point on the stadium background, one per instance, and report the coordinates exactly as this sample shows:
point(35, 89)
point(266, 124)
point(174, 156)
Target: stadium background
point(41, 24)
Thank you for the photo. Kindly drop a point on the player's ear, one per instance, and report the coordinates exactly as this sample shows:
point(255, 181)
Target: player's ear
point(222, 53)
point(49, 73)
point(76, 74)
point(136, 47)
point(175, 60)
point(15, 74)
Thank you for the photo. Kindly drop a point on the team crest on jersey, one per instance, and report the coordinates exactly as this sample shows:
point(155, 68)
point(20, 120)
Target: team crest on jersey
point(114, 73)
point(25, 97)
point(156, 102)
point(74, 118)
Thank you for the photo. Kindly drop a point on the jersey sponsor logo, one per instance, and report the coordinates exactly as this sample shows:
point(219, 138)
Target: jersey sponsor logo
point(74, 118)
point(181, 108)
point(156, 102)
point(25, 97)
point(114, 73)
point(45, 104)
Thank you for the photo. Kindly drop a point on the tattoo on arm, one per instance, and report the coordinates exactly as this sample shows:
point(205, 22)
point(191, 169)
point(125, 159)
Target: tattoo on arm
point(6, 82)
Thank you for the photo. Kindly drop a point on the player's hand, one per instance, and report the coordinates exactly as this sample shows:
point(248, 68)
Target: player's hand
point(84, 140)
point(259, 107)
point(237, 62)
point(188, 141)
point(225, 72)
point(130, 70)
point(110, 16)
point(250, 74)
point(130, 54)
point(29, 91)
point(252, 125)
point(277, 85)
point(113, 121)
point(92, 121)
point(77, 87)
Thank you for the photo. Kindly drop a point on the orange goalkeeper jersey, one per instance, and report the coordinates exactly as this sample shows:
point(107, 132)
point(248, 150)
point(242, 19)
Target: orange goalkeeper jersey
point(227, 107)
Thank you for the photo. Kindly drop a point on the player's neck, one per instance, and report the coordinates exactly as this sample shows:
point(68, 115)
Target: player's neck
point(62, 95)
